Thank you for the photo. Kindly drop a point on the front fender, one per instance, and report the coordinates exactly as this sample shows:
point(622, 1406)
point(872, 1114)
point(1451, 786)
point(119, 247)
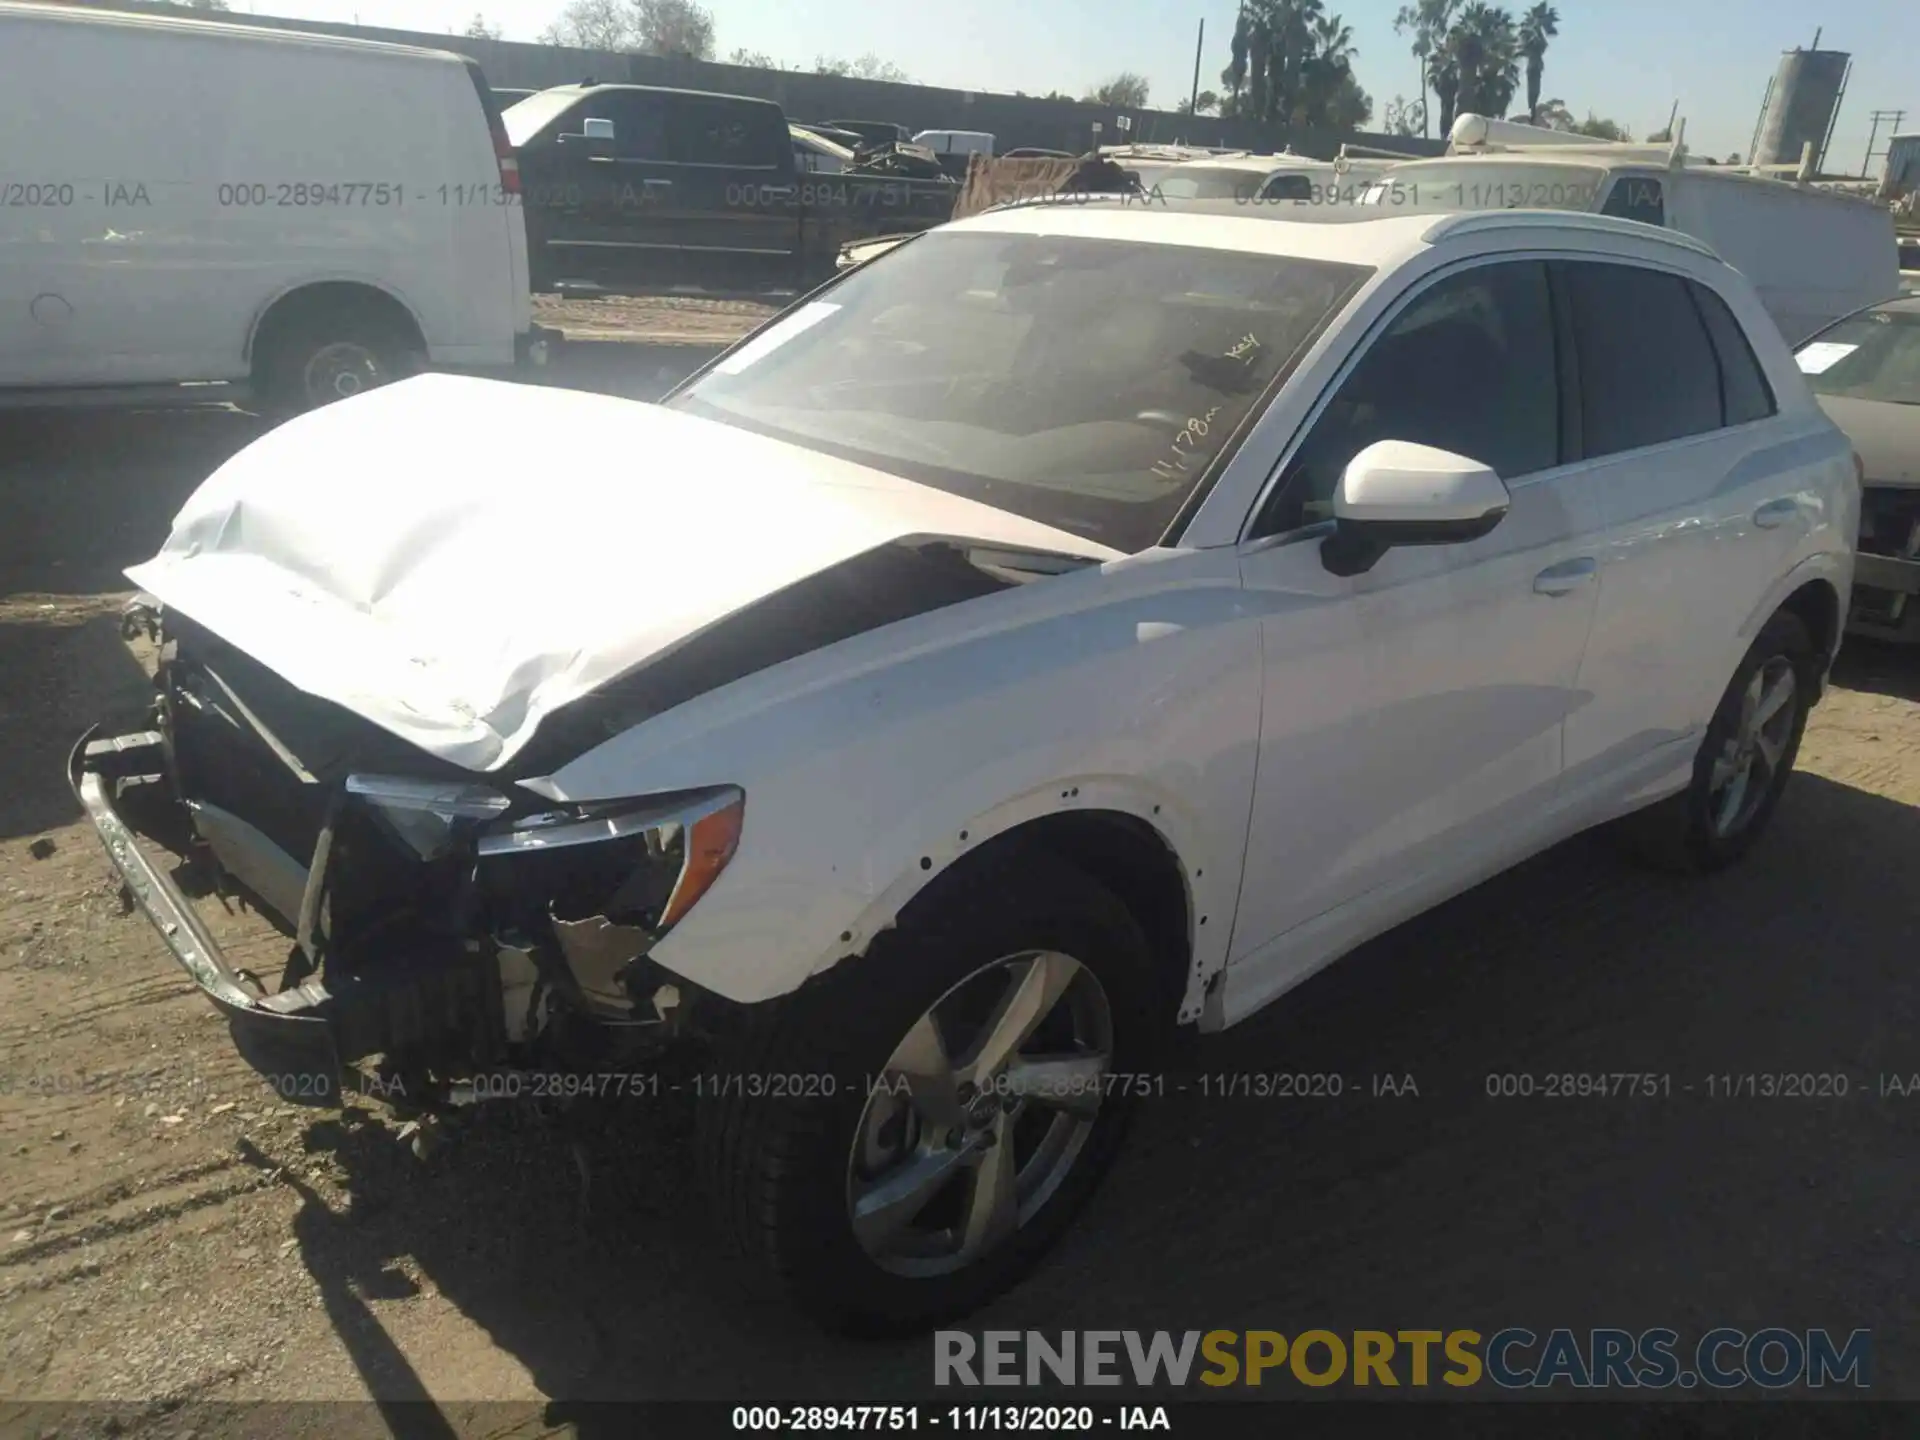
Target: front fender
point(1135, 691)
point(1210, 878)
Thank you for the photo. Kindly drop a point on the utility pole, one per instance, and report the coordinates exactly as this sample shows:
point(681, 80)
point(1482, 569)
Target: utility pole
point(1880, 117)
point(1193, 104)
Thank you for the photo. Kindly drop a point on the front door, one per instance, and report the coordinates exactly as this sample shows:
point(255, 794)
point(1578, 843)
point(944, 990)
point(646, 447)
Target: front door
point(1412, 715)
point(601, 211)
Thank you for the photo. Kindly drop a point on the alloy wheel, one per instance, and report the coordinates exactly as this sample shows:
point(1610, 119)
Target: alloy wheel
point(979, 1114)
point(1749, 762)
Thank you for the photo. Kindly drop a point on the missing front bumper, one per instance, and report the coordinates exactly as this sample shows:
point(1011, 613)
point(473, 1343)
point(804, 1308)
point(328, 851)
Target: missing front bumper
point(286, 1038)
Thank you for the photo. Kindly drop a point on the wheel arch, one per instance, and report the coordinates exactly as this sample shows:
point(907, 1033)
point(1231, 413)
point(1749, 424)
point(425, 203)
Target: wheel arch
point(1122, 851)
point(295, 302)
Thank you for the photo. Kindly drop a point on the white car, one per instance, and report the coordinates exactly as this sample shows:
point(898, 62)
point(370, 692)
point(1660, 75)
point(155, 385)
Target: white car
point(1084, 622)
point(305, 215)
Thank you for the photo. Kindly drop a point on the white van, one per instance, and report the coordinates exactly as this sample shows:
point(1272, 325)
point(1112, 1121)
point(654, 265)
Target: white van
point(956, 142)
point(191, 201)
point(1814, 254)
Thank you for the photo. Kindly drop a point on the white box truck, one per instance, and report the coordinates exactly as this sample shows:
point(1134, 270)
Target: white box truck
point(306, 215)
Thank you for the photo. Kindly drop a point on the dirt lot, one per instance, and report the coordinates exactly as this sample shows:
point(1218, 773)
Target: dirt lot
point(168, 1232)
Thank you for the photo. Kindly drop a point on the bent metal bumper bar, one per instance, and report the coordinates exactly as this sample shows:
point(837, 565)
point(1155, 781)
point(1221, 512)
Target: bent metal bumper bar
point(295, 1051)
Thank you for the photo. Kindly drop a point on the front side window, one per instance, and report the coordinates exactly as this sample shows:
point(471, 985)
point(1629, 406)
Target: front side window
point(1875, 356)
point(1648, 372)
point(1467, 367)
point(639, 122)
point(1088, 384)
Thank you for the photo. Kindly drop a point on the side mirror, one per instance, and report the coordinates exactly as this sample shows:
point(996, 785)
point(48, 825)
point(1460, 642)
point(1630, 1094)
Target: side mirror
point(1397, 493)
point(598, 134)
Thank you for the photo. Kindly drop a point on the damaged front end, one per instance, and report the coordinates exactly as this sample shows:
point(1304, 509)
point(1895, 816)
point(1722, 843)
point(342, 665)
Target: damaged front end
point(441, 927)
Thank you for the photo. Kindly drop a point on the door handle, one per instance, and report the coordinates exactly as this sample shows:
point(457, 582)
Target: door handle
point(1566, 577)
point(1776, 513)
point(656, 184)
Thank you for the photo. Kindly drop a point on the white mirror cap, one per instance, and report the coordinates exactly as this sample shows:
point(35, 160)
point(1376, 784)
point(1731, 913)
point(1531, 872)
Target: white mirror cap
point(597, 129)
point(1397, 480)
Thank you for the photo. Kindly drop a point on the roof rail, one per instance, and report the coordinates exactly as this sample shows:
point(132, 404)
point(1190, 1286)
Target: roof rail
point(1479, 222)
point(1481, 135)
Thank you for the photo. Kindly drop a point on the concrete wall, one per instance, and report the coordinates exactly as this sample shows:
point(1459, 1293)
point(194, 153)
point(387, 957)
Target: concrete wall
point(1015, 120)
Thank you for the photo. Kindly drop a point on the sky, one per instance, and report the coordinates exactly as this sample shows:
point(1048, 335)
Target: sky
point(1628, 60)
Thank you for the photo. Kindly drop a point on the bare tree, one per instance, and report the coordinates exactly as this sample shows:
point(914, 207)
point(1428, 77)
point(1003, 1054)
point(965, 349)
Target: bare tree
point(868, 67)
point(753, 59)
point(674, 27)
point(592, 25)
point(1125, 91)
point(479, 29)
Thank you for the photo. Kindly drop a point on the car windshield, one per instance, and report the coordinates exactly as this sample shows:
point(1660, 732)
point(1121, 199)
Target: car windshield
point(1874, 356)
point(1087, 384)
point(528, 118)
point(1487, 185)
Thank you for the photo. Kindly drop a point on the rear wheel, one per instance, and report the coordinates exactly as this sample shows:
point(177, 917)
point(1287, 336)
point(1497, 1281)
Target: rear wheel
point(1744, 761)
point(318, 355)
point(949, 1100)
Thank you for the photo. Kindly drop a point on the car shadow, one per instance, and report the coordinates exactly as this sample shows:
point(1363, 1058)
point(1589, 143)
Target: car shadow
point(1452, 1165)
point(88, 493)
point(1878, 667)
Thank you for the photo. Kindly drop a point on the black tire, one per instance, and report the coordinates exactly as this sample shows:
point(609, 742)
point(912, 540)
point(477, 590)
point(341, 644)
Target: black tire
point(1679, 834)
point(777, 1167)
point(317, 355)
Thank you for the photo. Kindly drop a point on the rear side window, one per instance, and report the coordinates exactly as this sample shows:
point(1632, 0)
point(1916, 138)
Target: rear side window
point(1648, 373)
point(717, 132)
point(1744, 392)
point(1637, 197)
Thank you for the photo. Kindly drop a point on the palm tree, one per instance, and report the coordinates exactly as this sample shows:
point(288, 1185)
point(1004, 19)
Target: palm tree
point(1234, 77)
point(1429, 21)
point(1329, 63)
point(1539, 25)
point(1293, 44)
point(1485, 52)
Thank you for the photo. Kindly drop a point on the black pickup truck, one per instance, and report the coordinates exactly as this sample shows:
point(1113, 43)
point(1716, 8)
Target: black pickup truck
point(642, 190)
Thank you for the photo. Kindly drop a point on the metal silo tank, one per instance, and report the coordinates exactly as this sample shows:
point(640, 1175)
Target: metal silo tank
point(1801, 105)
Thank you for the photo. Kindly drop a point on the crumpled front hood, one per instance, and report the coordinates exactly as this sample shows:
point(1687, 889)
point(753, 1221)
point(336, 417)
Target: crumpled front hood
point(454, 558)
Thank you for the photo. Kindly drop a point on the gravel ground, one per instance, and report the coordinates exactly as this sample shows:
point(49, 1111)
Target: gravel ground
point(171, 1235)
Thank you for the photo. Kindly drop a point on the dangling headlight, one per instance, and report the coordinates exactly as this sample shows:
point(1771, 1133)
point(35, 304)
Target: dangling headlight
point(610, 878)
point(425, 815)
point(634, 862)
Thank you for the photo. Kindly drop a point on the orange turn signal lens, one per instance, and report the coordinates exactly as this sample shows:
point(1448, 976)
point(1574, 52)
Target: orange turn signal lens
point(710, 843)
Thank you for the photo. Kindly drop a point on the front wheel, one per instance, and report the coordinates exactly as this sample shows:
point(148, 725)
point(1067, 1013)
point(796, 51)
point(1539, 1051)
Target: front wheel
point(903, 1141)
point(1744, 761)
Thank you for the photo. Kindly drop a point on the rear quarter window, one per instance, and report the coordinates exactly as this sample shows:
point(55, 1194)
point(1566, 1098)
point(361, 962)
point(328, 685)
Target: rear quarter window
point(1648, 370)
point(1745, 394)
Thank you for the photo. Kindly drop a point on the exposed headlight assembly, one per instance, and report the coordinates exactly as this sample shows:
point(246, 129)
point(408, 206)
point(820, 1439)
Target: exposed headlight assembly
point(611, 877)
point(426, 815)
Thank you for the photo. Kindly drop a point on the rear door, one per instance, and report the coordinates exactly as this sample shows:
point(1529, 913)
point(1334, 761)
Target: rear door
point(1701, 489)
point(735, 199)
